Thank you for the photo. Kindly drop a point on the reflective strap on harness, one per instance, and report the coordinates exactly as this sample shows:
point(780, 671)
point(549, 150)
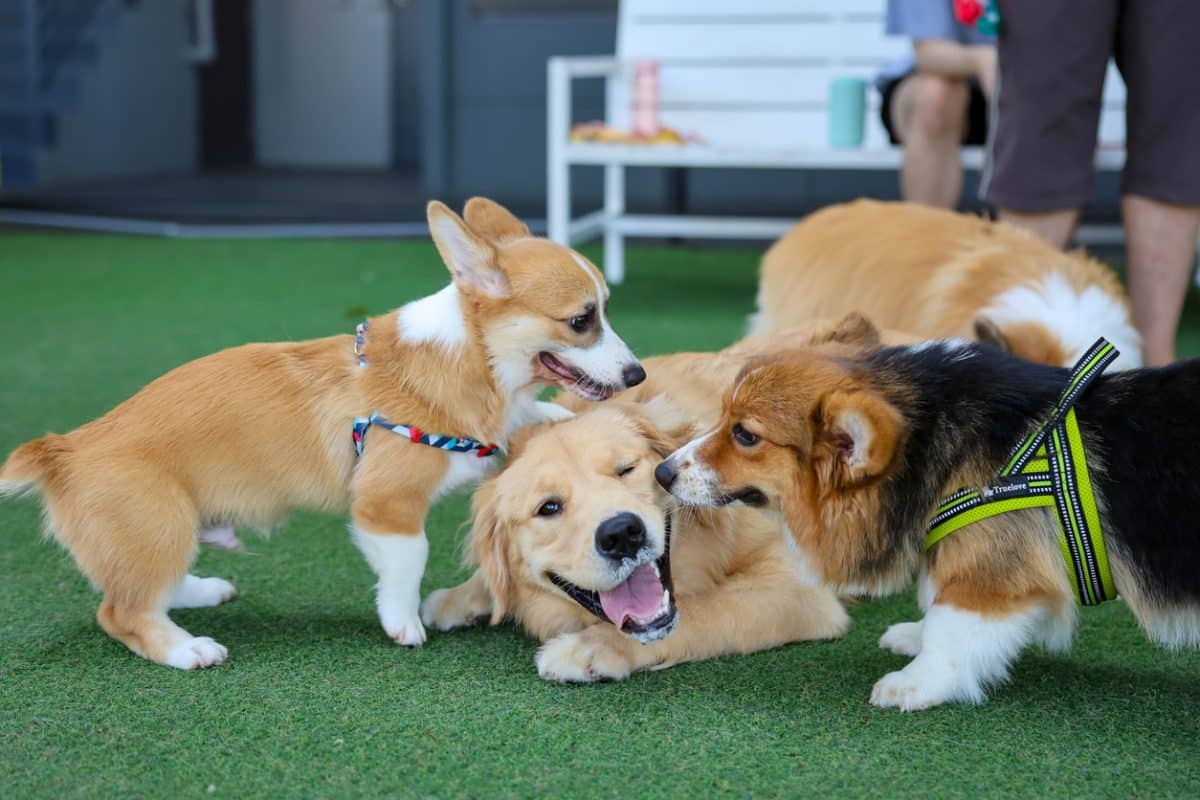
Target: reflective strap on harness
point(1048, 468)
point(450, 444)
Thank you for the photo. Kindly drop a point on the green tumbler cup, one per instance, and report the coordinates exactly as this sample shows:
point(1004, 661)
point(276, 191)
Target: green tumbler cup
point(847, 112)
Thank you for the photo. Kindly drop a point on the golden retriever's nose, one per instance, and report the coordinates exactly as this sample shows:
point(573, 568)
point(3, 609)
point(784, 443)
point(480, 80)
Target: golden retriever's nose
point(633, 374)
point(665, 474)
point(621, 536)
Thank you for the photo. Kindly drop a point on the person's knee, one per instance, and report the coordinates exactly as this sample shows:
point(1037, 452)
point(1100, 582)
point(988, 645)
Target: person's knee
point(940, 106)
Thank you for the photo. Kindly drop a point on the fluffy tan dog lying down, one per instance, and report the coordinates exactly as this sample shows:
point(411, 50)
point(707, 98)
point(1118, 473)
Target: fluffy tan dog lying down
point(572, 541)
point(940, 274)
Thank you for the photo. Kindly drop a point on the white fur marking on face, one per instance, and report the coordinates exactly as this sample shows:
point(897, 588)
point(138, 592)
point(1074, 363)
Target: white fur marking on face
point(437, 318)
point(1075, 318)
point(695, 482)
point(399, 561)
point(604, 360)
point(193, 592)
point(961, 654)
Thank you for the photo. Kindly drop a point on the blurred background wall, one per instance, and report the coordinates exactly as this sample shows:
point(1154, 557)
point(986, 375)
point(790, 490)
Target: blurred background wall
point(331, 109)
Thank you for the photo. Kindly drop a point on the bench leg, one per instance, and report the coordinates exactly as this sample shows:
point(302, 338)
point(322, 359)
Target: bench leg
point(558, 171)
point(614, 207)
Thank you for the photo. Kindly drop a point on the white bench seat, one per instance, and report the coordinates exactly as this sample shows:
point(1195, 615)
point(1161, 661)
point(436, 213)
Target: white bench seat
point(750, 78)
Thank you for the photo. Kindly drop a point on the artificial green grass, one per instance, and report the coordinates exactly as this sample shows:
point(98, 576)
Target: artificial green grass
point(316, 702)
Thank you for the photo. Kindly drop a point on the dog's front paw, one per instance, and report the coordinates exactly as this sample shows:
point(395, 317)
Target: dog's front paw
point(405, 629)
point(903, 639)
point(553, 412)
point(583, 657)
point(451, 609)
point(196, 652)
point(923, 685)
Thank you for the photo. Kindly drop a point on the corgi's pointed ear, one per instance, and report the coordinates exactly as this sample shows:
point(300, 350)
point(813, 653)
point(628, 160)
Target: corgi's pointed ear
point(493, 221)
point(663, 424)
point(988, 332)
point(485, 547)
point(862, 432)
point(857, 329)
point(469, 257)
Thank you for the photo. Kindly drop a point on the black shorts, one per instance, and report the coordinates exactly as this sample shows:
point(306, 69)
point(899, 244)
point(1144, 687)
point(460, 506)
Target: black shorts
point(977, 112)
point(1053, 58)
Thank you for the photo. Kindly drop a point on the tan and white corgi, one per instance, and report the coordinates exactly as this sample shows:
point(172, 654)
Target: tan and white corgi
point(245, 435)
point(936, 273)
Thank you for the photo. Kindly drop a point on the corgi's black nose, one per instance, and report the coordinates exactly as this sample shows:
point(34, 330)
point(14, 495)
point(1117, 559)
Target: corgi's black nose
point(622, 536)
point(665, 474)
point(633, 374)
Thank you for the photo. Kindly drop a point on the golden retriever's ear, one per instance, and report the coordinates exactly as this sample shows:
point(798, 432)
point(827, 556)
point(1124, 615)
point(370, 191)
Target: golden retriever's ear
point(988, 332)
point(493, 221)
point(469, 257)
point(856, 329)
point(662, 424)
point(485, 548)
point(521, 436)
point(862, 431)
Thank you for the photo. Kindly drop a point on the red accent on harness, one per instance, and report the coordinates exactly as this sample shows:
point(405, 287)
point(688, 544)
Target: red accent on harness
point(486, 451)
point(415, 434)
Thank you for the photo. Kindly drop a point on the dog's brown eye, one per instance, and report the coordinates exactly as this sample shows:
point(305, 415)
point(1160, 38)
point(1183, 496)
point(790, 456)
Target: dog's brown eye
point(625, 470)
point(581, 323)
point(744, 437)
point(550, 508)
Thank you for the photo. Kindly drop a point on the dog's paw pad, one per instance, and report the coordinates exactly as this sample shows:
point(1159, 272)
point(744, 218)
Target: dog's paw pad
point(196, 653)
point(903, 639)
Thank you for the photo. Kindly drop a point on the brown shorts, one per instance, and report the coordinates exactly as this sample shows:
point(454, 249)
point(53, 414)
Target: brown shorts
point(1053, 55)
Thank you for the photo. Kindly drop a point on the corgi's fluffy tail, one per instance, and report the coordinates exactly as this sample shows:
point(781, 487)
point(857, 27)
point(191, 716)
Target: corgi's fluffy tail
point(27, 464)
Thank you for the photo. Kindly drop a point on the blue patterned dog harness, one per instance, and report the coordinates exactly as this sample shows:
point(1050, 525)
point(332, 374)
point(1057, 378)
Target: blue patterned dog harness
point(450, 444)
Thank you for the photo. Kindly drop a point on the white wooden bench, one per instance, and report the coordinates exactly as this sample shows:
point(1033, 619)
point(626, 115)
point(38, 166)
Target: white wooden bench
point(751, 77)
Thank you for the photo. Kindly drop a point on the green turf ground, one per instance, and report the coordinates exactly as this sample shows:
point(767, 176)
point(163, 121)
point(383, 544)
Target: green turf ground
point(316, 702)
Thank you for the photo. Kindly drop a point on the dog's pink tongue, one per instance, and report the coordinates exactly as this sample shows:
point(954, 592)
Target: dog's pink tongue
point(639, 596)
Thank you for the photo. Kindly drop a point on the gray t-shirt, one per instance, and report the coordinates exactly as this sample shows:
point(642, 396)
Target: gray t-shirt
point(924, 19)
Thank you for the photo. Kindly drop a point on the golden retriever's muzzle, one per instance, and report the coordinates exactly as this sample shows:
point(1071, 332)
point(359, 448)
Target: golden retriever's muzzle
point(643, 604)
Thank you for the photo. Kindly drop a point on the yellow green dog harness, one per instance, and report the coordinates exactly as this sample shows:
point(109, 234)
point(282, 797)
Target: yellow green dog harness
point(1048, 468)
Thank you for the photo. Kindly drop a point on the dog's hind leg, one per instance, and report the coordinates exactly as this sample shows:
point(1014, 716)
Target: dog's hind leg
point(134, 536)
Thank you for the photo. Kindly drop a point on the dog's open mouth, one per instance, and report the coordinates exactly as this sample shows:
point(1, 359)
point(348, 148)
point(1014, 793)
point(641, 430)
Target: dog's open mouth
point(574, 379)
point(643, 605)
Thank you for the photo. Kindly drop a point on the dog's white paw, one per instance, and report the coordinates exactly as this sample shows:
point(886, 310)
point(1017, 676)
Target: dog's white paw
point(903, 638)
point(914, 688)
point(405, 629)
point(193, 592)
point(447, 610)
point(196, 652)
point(553, 412)
point(581, 658)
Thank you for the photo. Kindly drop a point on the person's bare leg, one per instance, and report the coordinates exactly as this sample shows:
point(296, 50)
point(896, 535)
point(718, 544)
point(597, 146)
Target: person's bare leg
point(929, 115)
point(1055, 227)
point(1160, 248)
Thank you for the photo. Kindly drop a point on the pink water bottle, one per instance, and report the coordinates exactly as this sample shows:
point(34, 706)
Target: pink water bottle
point(645, 97)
